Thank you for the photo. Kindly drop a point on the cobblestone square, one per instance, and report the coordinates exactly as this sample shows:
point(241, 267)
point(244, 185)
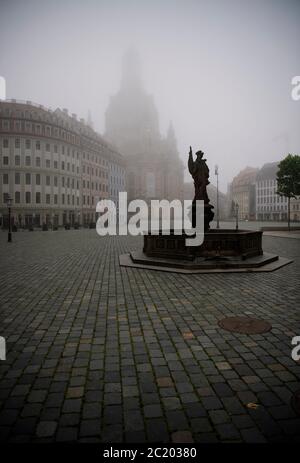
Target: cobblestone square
point(102, 353)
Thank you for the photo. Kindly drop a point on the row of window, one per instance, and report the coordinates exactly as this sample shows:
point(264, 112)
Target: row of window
point(65, 199)
point(29, 144)
point(266, 183)
point(47, 164)
point(64, 166)
point(28, 180)
point(271, 208)
point(271, 199)
point(38, 129)
point(68, 182)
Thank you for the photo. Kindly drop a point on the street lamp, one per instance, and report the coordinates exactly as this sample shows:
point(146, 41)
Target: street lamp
point(9, 203)
point(237, 216)
point(217, 174)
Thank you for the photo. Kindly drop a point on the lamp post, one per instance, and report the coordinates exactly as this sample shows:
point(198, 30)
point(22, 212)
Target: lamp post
point(9, 203)
point(237, 216)
point(217, 174)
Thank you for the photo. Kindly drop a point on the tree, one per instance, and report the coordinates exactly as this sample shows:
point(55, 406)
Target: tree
point(288, 179)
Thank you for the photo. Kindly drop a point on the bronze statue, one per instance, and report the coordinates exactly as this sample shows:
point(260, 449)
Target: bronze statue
point(200, 173)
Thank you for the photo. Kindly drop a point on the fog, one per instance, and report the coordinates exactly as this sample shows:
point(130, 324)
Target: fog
point(220, 70)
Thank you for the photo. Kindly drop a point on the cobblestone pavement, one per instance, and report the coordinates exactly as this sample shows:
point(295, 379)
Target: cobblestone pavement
point(96, 352)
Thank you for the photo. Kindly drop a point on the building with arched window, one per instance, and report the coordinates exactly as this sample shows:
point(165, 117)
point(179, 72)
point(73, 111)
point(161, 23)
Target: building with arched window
point(53, 166)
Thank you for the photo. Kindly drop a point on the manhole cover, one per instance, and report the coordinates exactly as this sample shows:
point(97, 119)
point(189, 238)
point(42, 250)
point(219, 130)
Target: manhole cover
point(295, 401)
point(245, 325)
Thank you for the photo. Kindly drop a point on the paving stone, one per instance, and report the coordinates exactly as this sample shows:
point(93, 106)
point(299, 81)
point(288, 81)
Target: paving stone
point(228, 432)
point(182, 437)
point(46, 428)
point(67, 434)
point(89, 428)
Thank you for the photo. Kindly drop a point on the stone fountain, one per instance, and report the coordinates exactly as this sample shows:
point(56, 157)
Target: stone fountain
point(223, 250)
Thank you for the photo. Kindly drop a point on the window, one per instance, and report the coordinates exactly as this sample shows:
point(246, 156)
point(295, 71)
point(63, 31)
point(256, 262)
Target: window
point(5, 160)
point(55, 148)
point(48, 180)
point(48, 147)
point(55, 181)
point(17, 160)
point(48, 164)
point(63, 181)
point(27, 144)
point(63, 199)
point(28, 179)
point(38, 161)
point(47, 198)
point(17, 178)
point(63, 165)
point(27, 161)
point(38, 197)
point(28, 197)
point(55, 164)
point(55, 199)
point(5, 143)
point(5, 179)
point(17, 197)
point(17, 143)
point(37, 179)
point(38, 145)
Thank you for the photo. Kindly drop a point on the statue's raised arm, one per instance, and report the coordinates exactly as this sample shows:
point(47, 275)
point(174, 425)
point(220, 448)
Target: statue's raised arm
point(191, 162)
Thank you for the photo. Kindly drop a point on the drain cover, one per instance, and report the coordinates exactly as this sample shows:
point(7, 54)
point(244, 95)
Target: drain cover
point(245, 325)
point(295, 401)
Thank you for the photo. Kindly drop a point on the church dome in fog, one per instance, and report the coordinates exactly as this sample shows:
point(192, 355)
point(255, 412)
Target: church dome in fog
point(154, 169)
point(131, 117)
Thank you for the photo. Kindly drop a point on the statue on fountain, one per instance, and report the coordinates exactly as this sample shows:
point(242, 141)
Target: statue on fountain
point(223, 250)
point(200, 173)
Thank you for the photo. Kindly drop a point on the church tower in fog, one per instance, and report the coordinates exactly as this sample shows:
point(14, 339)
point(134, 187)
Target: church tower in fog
point(154, 170)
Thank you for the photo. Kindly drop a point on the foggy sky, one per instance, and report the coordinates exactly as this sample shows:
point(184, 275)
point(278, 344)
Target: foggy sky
point(221, 70)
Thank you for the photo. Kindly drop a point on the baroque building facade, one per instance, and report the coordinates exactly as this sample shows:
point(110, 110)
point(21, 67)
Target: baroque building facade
point(269, 205)
point(54, 167)
point(241, 191)
point(153, 167)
